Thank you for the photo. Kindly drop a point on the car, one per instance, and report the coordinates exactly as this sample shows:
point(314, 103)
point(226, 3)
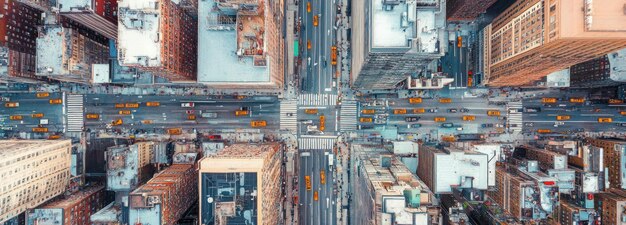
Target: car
point(432, 110)
point(515, 110)
point(42, 94)
point(187, 105)
point(459, 128)
point(499, 125)
point(55, 101)
point(464, 110)
point(447, 125)
point(258, 123)
point(622, 124)
point(558, 123)
point(415, 125)
point(412, 119)
point(208, 115)
point(12, 104)
point(190, 111)
point(486, 125)
point(215, 137)
point(315, 20)
point(452, 110)
point(532, 109)
point(529, 124)
point(308, 6)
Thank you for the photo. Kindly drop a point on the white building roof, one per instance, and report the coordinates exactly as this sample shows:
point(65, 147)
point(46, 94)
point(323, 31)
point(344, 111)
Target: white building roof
point(139, 33)
point(387, 25)
point(559, 78)
point(73, 5)
point(100, 73)
point(218, 61)
point(617, 60)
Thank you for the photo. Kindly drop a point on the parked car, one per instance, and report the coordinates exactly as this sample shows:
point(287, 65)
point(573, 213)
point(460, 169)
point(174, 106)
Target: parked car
point(529, 124)
point(187, 104)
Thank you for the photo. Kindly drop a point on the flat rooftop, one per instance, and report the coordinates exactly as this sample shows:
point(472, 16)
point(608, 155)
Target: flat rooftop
point(73, 5)
point(139, 43)
point(617, 61)
point(390, 24)
point(51, 47)
point(231, 43)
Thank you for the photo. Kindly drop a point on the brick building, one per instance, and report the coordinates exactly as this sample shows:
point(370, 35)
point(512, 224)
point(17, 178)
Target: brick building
point(47, 176)
point(159, 36)
point(614, 154)
point(608, 70)
point(18, 32)
point(98, 15)
point(466, 9)
point(67, 54)
point(533, 38)
point(74, 209)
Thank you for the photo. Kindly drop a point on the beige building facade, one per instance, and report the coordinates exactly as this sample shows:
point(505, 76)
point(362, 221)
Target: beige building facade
point(534, 38)
point(33, 172)
point(257, 170)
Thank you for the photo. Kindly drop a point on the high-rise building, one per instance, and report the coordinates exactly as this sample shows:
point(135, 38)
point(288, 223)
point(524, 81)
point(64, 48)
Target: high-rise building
point(442, 169)
point(66, 54)
point(614, 155)
point(608, 70)
point(533, 38)
point(74, 209)
point(33, 172)
point(240, 44)
point(392, 40)
point(18, 33)
point(157, 35)
point(385, 190)
point(466, 9)
point(98, 15)
point(612, 207)
point(129, 166)
point(241, 182)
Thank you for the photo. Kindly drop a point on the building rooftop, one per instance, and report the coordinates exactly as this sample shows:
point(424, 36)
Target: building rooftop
point(617, 61)
point(73, 5)
point(74, 198)
point(232, 42)
point(52, 45)
point(108, 214)
point(246, 151)
point(11, 149)
point(138, 33)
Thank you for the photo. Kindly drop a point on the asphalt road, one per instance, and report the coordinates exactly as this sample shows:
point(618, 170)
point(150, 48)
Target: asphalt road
point(584, 116)
point(331, 124)
point(455, 64)
point(321, 211)
point(170, 114)
point(28, 105)
point(477, 107)
point(317, 66)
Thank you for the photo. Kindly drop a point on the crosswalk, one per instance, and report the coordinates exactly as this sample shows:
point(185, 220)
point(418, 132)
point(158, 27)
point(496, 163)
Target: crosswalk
point(288, 115)
point(75, 115)
point(515, 119)
point(317, 99)
point(322, 143)
point(348, 116)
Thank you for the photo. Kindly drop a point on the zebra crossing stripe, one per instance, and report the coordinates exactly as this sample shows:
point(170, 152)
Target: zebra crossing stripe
point(289, 122)
point(317, 99)
point(75, 115)
point(316, 143)
point(348, 115)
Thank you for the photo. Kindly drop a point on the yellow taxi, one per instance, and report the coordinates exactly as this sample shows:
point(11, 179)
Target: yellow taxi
point(174, 131)
point(117, 122)
point(315, 20)
point(191, 117)
point(42, 94)
point(56, 101)
point(399, 111)
point(310, 111)
point(119, 105)
point(616, 101)
point(241, 113)
point(258, 123)
point(440, 119)
point(146, 121)
point(365, 120)
point(124, 112)
point(307, 180)
point(322, 177)
point(40, 129)
point(415, 100)
point(469, 118)
point(577, 100)
point(548, 100)
point(308, 6)
point(315, 196)
point(92, 116)
point(308, 44)
point(16, 117)
point(153, 104)
point(12, 104)
point(132, 105)
point(563, 117)
point(419, 110)
point(37, 115)
point(623, 113)
point(605, 120)
point(368, 111)
point(544, 131)
point(54, 137)
point(448, 138)
point(445, 100)
point(493, 113)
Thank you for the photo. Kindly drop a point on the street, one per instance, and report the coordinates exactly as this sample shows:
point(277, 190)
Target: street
point(322, 210)
point(317, 69)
